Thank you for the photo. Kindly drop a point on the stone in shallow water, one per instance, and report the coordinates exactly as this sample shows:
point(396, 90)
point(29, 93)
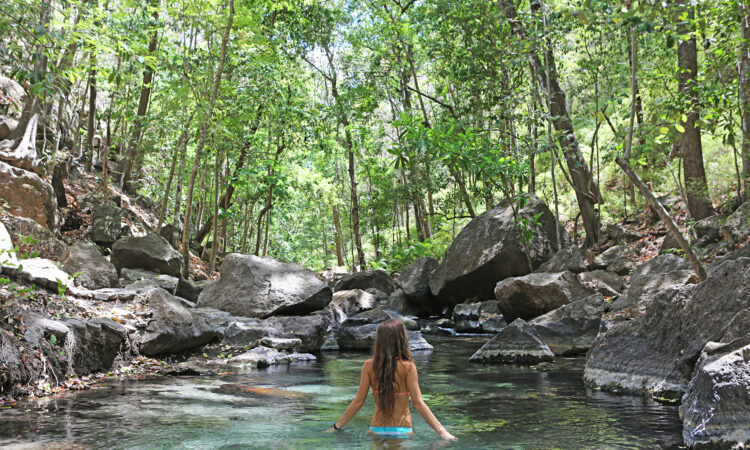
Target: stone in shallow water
point(265, 356)
point(517, 343)
point(281, 343)
point(363, 338)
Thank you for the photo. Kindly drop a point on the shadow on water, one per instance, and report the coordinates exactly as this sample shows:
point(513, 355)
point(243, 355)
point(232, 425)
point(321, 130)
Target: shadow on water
point(545, 406)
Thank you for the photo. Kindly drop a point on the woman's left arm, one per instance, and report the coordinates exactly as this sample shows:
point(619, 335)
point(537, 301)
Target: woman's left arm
point(356, 404)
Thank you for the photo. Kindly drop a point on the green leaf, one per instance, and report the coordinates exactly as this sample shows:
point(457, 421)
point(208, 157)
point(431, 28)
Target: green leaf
point(663, 130)
point(679, 128)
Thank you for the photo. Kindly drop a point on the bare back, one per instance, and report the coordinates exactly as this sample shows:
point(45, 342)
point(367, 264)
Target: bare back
point(401, 416)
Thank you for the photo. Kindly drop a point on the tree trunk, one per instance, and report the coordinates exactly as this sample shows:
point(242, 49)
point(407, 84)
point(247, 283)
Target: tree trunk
point(148, 78)
point(744, 87)
point(699, 201)
point(202, 141)
point(91, 124)
point(337, 236)
point(215, 216)
point(587, 192)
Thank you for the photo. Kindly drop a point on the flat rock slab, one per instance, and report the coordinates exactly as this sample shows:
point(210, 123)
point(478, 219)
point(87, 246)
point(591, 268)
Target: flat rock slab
point(166, 282)
point(42, 272)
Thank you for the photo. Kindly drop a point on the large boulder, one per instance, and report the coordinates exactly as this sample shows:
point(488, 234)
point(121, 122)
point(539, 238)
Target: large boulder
point(609, 284)
point(173, 328)
point(518, 343)
point(715, 410)
point(254, 286)
point(571, 328)
point(106, 225)
point(350, 302)
point(151, 252)
point(736, 229)
point(656, 351)
point(28, 195)
point(371, 279)
point(532, 295)
point(489, 250)
point(414, 281)
point(362, 337)
point(191, 290)
point(89, 267)
point(13, 369)
point(569, 258)
point(652, 277)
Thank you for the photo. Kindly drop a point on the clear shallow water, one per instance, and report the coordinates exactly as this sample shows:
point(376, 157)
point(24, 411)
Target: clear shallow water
point(290, 406)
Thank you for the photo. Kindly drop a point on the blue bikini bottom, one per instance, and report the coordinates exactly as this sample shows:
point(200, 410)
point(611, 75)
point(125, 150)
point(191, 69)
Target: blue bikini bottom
point(392, 431)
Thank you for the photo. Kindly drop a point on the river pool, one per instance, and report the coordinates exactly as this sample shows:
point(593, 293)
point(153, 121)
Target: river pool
point(290, 406)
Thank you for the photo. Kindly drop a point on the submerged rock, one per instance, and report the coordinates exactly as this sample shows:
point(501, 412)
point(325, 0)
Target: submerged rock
point(517, 343)
point(150, 252)
point(532, 295)
point(656, 351)
point(488, 250)
point(372, 279)
point(264, 357)
point(90, 268)
point(260, 287)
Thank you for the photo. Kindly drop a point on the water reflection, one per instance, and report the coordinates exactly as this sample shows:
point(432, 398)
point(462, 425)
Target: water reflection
point(290, 407)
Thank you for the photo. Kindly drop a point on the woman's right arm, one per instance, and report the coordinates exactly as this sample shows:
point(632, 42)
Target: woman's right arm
point(412, 383)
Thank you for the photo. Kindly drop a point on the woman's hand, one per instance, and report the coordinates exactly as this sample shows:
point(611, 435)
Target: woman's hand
point(331, 430)
point(447, 436)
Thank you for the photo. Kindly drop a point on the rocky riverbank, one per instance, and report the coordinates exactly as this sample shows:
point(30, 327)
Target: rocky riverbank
point(116, 303)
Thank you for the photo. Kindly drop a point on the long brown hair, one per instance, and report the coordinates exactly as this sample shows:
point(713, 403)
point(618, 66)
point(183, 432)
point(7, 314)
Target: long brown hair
point(391, 345)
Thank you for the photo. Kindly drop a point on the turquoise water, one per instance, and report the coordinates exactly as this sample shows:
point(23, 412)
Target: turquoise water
point(291, 406)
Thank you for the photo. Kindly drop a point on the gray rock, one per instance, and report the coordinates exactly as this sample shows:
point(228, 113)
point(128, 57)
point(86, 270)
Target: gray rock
point(617, 259)
point(669, 243)
point(609, 284)
point(281, 343)
point(466, 311)
point(518, 343)
point(26, 194)
point(380, 296)
point(709, 228)
point(377, 279)
point(15, 370)
point(715, 410)
point(569, 258)
point(736, 228)
point(652, 277)
point(259, 287)
point(363, 338)
point(488, 250)
point(468, 326)
point(333, 274)
point(414, 281)
point(572, 328)
point(311, 330)
point(191, 290)
point(174, 328)
point(42, 272)
point(494, 324)
point(166, 282)
point(366, 317)
point(350, 302)
point(150, 252)
point(106, 225)
point(93, 270)
point(97, 344)
point(532, 295)
point(172, 233)
point(330, 344)
point(656, 352)
point(401, 303)
point(264, 357)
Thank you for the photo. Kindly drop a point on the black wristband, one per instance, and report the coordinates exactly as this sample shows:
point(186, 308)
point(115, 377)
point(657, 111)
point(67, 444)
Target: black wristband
point(335, 427)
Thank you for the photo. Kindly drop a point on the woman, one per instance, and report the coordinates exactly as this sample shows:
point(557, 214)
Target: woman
point(393, 377)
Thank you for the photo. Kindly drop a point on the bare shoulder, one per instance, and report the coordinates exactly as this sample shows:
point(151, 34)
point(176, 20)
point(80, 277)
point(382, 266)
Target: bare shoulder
point(408, 366)
point(368, 364)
